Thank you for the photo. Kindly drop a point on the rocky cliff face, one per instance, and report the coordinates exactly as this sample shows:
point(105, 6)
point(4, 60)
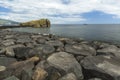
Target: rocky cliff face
point(37, 23)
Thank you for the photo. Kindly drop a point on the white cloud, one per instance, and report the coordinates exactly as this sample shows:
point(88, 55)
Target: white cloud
point(25, 10)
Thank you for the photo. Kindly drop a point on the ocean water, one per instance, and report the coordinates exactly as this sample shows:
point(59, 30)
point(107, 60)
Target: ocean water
point(101, 32)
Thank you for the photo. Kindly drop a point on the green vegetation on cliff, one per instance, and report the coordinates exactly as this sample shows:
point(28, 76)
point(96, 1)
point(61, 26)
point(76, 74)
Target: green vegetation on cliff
point(37, 23)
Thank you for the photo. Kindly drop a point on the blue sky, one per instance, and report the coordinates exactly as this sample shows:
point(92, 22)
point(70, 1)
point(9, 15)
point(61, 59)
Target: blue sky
point(62, 11)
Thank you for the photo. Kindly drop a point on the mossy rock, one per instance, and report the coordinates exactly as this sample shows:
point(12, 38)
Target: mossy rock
point(37, 23)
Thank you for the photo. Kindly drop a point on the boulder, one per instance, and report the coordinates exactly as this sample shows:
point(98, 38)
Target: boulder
point(69, 76)
point(80, 50)
point(23, 39)
point(10, 50)
point(104, 67)
point(39, 74)
point(54, 73)
point(12, 78)
point(26, 52)
point(2, 68)
point(8, 42)
point(55, 43)
point(67, 41)
point(48, 49)
point(26, 74)
point(109, 50)
point(2, 51)
point(95, 79)
point(65, 62)
point(6, 61)
point(17, 68)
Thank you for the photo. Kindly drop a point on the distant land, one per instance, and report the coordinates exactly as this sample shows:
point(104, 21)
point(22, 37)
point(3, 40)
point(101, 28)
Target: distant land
point(4, 22)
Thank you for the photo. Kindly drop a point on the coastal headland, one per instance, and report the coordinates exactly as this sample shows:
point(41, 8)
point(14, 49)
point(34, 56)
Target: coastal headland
point(32, 56)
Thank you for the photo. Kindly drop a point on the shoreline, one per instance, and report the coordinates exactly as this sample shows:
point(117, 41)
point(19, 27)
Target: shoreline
point(32, 56)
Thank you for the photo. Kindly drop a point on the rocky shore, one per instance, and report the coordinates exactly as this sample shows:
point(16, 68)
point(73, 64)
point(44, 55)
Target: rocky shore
point(29, 56)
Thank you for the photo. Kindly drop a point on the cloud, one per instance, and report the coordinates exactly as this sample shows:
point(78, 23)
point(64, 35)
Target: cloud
point(58, 11)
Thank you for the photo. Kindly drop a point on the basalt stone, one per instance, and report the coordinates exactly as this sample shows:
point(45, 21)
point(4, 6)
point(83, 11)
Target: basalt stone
point(99, 45)
point(24, 39)
point(55, 43)
point(10, 50)
point(110, 50)
point(8, 42)
point(80, 50)
point(2, 68)
point(6, 61)
point(2, 51)
point(12, 78)
point(18, 67)
point(79, 58)
point(104, 67)
point(35, 37)
point(9, 37)
point(26, 52)
point(26, 74)
point(95, 79)
point(69, 76)
point(43, 64)
point(41, 41)
point(54, 73)
point(67, 41)
point(48, 49)
point(39, 74)
point(65, 62)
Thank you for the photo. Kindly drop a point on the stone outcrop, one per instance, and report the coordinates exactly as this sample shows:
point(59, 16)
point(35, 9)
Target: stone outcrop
point(37, 23)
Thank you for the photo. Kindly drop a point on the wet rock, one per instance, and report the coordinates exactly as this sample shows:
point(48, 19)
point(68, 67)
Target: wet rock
point(110, 50)
point(104, 67)
point(80, 49)
point(25, 52)
point(6, 61)
point(12, 78)
point(39, 74)
point(66, 62)
point(69, 76)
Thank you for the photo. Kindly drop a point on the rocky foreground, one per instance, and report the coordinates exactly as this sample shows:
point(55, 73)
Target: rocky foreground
point(28, 56)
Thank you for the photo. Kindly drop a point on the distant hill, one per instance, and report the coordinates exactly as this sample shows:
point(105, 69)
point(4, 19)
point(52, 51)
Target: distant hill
point(7, 22)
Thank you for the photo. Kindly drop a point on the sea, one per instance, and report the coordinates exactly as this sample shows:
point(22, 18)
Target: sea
point(89, 32)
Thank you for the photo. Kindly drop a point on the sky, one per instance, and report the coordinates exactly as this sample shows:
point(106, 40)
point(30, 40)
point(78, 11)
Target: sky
point(62, 11)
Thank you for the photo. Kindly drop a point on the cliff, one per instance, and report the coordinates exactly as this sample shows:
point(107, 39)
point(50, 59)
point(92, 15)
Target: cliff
point(37, 23)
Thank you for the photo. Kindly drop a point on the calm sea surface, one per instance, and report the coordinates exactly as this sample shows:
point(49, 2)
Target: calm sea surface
point(102, 32)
